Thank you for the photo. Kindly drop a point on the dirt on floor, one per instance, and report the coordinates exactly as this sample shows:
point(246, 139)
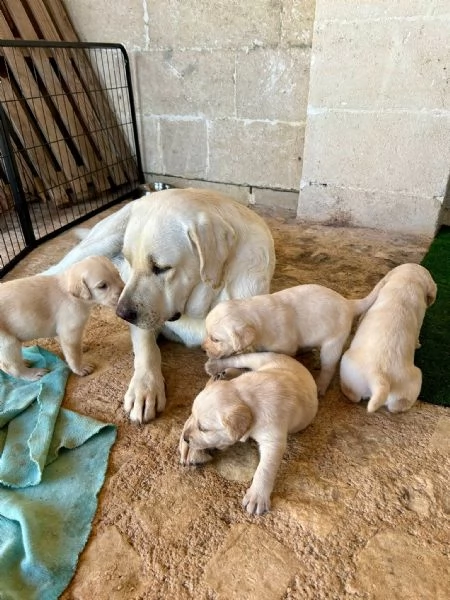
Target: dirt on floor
point(360, 506)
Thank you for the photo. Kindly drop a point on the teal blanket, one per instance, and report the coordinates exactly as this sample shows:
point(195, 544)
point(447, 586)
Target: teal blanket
point(52, 465)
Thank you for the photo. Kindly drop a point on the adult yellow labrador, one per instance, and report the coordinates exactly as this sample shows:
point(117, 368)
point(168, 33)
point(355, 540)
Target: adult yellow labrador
point(180, 252)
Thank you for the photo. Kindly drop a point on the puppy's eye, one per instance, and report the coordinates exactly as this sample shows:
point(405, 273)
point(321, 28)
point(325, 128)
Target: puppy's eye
point(102, 285)
point(202, 429)
point(156, 270)
point(213, 339)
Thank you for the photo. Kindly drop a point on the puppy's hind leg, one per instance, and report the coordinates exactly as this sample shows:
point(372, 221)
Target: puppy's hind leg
point(330, 353)
point(12, 362)
point(410, 390)
point(380, 392)
point(353, 381)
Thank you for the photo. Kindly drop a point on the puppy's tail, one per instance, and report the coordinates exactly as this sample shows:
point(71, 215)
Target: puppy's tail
point(380, 393)
point(362, 305)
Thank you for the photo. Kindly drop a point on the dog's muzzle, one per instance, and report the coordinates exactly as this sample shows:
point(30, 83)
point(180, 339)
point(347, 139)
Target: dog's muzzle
point(127, 313)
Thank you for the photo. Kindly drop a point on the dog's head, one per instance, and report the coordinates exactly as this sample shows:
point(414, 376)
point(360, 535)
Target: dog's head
point(170, 250)
point(412, 273)
point(95, 280)
point(219, 418)
point(227, 331)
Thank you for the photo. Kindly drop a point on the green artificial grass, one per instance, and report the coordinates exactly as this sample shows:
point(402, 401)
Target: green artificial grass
point(434, 355)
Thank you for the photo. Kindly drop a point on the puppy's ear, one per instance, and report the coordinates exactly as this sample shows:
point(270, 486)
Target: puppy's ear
point(237, 420)
point(78, 288)
point(213, 239)
point(242, 337)
point(431, 293)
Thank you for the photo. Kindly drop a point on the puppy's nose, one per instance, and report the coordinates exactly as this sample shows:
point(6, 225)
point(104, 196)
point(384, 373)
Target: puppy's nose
point(127, 313)
point(186, 438)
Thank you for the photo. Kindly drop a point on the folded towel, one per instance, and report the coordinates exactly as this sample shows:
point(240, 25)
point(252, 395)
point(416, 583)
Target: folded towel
point(48, 495)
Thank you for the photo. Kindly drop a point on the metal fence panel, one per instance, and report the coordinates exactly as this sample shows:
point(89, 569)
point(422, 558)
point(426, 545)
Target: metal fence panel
point(68, 138)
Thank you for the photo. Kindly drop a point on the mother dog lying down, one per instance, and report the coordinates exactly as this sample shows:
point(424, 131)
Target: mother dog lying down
point(180, 252)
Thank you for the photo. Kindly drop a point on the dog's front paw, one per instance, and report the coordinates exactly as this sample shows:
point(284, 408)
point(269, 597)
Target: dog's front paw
point(84, 370)
point(145, 396)
point(256, 502)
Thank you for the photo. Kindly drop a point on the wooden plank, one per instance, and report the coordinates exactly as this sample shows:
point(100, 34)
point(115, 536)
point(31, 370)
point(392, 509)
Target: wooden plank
point(38, 152)
point(93, 124)
point(118, 140)
point(39, 108)
point(55, 96)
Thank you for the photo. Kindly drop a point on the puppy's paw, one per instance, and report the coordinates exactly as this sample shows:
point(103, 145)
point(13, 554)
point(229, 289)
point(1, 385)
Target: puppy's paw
point(256, 502)
point(190, 457)
point(212, 367)
point(85, 369)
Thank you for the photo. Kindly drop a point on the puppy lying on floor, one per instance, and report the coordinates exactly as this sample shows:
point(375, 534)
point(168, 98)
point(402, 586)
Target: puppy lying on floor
point(278, 396)
point(54, 305)
point(304, 316)
point(380, 361)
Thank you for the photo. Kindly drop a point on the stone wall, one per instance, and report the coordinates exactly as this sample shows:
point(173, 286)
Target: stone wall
point(221, 87)
point(225, 89)
point(377, 148)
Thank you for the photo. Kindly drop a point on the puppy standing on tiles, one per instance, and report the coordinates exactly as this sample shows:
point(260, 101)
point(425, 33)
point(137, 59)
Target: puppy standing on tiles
point(379, 364)
point(44, 306)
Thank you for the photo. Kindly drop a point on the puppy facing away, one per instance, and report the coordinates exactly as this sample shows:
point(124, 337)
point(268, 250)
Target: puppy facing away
point(379, 364)
point(276, 397)
point(54, 305)
point(304, 316)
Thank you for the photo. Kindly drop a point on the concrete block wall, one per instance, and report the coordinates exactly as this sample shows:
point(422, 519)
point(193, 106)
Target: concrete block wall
point(377, 149)
point(230, 95)
point(221, 87)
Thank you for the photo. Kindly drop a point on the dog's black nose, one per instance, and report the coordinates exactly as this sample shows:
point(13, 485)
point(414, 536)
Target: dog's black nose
point(175, 317)
point(186, 438)
point(127, 313)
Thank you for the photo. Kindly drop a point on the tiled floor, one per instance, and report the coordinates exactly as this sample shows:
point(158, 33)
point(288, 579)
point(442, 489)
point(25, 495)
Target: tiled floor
point(360, 506)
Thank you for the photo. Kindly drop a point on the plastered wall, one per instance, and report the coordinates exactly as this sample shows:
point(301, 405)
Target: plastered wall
point(338, 110)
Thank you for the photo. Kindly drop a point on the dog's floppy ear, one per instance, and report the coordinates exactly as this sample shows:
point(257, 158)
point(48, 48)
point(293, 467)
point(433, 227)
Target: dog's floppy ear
point(237, 420)
point(241, 337)
point(431, 293)
point(78, 288)
point(213, 239)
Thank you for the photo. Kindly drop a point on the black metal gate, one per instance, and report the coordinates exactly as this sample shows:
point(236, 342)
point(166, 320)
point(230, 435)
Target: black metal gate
point(68, 138)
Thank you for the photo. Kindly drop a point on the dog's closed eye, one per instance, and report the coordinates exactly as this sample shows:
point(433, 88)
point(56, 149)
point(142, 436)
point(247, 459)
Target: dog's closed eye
point(202, 429)
point(102, 285)
point(156, 270)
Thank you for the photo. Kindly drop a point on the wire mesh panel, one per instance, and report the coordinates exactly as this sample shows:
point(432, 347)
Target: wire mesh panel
point(68, 138)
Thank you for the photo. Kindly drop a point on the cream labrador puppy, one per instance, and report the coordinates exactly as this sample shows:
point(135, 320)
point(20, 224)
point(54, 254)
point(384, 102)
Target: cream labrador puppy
point(379, 364)
point(278, 396)
point(180, 252)
point(304, 316)
point(54, 305)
